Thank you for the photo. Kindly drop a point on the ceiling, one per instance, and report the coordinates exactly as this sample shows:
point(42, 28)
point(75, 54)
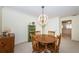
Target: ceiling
point(50, 11)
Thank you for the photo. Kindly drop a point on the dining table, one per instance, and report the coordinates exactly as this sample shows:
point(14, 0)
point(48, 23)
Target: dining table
point(46, 39)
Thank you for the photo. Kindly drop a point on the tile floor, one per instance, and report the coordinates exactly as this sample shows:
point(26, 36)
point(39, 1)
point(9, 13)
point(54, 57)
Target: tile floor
point(67, 46)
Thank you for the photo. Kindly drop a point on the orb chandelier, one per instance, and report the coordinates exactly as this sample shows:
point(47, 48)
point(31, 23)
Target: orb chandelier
point(43, 18)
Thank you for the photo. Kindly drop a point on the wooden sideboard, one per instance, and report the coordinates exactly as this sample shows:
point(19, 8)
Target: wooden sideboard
point(7, 43)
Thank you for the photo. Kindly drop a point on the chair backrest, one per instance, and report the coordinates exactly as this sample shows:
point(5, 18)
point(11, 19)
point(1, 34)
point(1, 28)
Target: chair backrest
point(51, 33)
point(59, 40)
point(37, 32)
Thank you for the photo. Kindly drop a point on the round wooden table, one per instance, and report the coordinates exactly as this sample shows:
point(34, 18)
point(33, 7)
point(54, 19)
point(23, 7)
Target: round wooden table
point(46, 39)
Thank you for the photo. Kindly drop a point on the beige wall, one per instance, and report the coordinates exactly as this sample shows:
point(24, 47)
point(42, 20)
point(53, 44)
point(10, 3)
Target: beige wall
point(75, 26)
point(17, 22)
point(0, 20)
point(54, 25)
point(51, 25)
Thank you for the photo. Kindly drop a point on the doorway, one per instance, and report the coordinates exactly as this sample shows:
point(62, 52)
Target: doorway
point(67, 29)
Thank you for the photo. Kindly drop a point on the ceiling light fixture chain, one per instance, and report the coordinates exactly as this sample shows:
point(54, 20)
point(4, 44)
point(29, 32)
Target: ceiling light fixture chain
point(42, 10)
point(43, 19)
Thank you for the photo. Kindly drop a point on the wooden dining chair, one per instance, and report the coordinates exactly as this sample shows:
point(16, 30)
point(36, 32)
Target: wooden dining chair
point(51, 46)
point(41, 45)
point(37, 32)
point(51, 33)
point(34, 43)
point(57, 44)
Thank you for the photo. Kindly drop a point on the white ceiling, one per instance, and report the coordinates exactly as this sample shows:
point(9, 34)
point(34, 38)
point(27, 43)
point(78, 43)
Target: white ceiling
point(50, 11)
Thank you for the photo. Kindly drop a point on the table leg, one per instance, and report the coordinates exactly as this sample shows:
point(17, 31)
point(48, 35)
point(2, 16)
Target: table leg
point(45, 48)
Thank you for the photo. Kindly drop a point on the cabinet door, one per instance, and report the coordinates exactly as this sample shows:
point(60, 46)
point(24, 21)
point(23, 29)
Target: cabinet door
point(31, 30)
point(9, 45)
point(2, 45)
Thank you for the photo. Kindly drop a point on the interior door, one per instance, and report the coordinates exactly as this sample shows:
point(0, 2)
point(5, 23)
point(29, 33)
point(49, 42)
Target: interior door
point(67, 28)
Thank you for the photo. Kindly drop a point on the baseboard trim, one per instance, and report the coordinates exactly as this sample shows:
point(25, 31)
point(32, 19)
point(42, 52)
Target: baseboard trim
point(21, 43)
